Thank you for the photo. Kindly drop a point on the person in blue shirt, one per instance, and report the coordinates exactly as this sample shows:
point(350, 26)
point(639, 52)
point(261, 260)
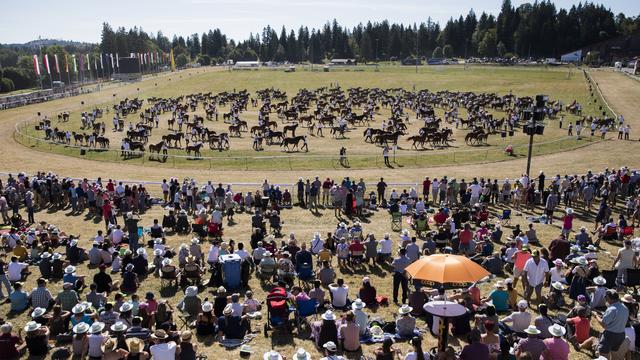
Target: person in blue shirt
point(499, 297)
point(19, 299)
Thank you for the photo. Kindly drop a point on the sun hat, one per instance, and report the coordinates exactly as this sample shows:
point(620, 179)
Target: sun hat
point(31, 326)
point(97, 327)
point(37, 312)
point(331, 346)
point(569, 211)
point(185, 335)
point(221, 290)
point(532, 330)
point(45, 255)
point(191, 291)
point(599, 280)
point(207, 306)
point(328, 315)
point(166, 262)
point(272, 355)
point(358, 304)
point(160, 334)
point(81, 328)
point(580, 261)
point(109, 345)
point(558, 285)
point(246, 349)
point(70, 269)
point(508, 281)
point(405, 309)
point(79, 308)
point(157, 241)
point(72, 243)
point(557, 330)
point(135, 345)
point(267, 254)
point(129, 267)
point(499, 284)
point(127, 306)
point(157, 252)
point(581, 298)
point(228, 310)
point(522, 304)
point(592, 248)
point(141, 251)
point(302, 354)
point(119, 326)
point(195, 241)
point(558, 262)
point(628, 299)
point(575, 248)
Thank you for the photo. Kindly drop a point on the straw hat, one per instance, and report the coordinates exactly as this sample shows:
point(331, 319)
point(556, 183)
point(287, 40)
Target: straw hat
point(97, 327)
point(557, 330)
point(522, 304)
point(81, 328)
point(532, 330)
point(358, 304)
point(70, 269)
point(272, 355)
point(37, 312)
point(628, 299)
point(405, 309)
point(135, 345)
point(328, 315)
point(31, 326)
point(79, 309)
point(228, 310)
point(302, 354)
point(221, 290)
point(331, 346)
point(160, 334)
point(191, 291)
point(599, 280)
point(558, 262)
point(125, 307)
point(185, 335)
point(109, 345)
point(119, 327)
point(207, 306)
point(246, 350)
point(558, 285)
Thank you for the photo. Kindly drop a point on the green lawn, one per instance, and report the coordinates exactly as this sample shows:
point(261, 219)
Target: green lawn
point(566, 84)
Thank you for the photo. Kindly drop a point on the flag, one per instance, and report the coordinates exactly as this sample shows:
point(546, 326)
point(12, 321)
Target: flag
point(36, 66)
point(173, 62)
point(75, 64)
point(66, 63)
point(95, 64)
point(151, 57)
point(117, 60)
point(55, 56)
point(101, 63)
point(88, 63)
point(157, 58)
point(111, 57)
point(46, 63)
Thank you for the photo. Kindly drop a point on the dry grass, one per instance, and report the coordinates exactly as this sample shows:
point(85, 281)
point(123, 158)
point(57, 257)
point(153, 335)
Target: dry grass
point(621, 92)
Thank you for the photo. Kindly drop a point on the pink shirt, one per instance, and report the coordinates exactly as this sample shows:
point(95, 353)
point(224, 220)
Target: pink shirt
point(567, 222)
point(558, 349)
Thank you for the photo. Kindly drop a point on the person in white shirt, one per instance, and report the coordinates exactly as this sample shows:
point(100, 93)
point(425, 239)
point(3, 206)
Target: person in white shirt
point(214, 252)
point(534, 273)
point(416, 342)
point(14, 270)
point(386, 245)
point(339, 294)
point(361, 317)
point(476, 189)
point(556, 274)
point(521, 319)
point(317, 244)
point(163, 349)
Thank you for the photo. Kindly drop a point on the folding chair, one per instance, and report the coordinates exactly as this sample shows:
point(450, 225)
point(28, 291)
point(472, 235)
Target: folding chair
point(304, 309)
point(396, 221)
point(506, 216)
point(627, 232)
point(422, 226)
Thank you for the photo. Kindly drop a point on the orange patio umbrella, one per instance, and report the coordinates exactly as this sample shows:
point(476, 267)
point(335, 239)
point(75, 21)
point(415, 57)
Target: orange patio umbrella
point(446, 268)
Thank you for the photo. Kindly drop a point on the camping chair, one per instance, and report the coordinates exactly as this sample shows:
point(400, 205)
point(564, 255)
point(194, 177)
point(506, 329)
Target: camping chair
point(506, 216)
point(610, 276)
point(422, 226)
point(140, 231)
point(396, 221)
point(626, 232)
point(633, 278)
point(199, 229)
point(169, 222)
point(304, 309)
point(168, 275)
point(305, 273)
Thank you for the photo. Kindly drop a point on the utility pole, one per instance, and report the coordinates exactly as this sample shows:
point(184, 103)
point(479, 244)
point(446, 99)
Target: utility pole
point(417, 59)
point(537, 116)
point(376, 49)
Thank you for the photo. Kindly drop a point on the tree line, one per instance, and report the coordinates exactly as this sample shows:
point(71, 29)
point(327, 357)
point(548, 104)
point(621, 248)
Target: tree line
point(536, 30)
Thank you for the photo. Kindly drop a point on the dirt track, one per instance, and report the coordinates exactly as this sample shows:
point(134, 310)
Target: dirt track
point(622, 93)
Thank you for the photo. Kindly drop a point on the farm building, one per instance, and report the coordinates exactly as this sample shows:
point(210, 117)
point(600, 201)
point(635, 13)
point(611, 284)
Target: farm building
point(246, 64)
point(343, 62)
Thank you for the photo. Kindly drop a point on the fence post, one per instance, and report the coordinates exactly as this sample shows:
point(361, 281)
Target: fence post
point(486, 154)
point(454, 156)
point(246, 163)
point(290, 164)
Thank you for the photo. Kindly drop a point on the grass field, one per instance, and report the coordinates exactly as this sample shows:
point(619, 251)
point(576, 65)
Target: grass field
point(563, 156)
point(559, 83)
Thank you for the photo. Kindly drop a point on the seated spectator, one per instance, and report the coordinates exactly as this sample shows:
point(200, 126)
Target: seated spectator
point(191, 304)
point(328, 330)
point(339, 294)
point(368, 293)
point(317, 293)
point(519, 320)
point(11, 345)
point(406, 324)
point(532, 344)
point(350, 333)
point(16, 269)
point(475, 350)
point(232, 327)
point(80, 341)
point(19, 299)
point(498, 297)
point(326, 274)
point(360, 317)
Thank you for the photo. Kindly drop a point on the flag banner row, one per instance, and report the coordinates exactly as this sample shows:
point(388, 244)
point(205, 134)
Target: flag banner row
point(105, 61)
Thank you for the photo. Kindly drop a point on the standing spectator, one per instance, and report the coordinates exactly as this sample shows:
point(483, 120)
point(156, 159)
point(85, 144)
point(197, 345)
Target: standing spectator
point(534, 274)
point(613, 322)
point(399, 278)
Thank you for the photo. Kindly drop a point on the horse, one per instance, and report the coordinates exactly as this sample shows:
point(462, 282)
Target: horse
point(338, 130)
point(156, 148)
point(175, 137)
point(292, 141)
point(418, 139)
point(102, 141)
point(195, 148)
point(291, 128)
point(234, 130)
point(78, 138)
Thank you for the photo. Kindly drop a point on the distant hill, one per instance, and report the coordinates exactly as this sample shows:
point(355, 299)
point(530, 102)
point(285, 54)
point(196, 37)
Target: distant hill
point(34, 44)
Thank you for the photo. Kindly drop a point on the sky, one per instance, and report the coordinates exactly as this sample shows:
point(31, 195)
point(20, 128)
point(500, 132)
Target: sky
point(25, 20)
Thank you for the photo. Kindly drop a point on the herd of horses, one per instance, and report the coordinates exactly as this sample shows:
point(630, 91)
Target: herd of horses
point(281, 116)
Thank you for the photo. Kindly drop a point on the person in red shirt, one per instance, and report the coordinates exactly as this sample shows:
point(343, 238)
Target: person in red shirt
point(440, 217)
point(426, 187)
point(465, 236)
point(11, 346)
point(356, 251)
point(520, 258)
point(581, 335)
point(107, 213)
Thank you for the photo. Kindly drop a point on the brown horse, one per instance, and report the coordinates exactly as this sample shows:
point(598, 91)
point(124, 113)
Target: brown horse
point(291, 128)
point(195, 148)
point(156, 148)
